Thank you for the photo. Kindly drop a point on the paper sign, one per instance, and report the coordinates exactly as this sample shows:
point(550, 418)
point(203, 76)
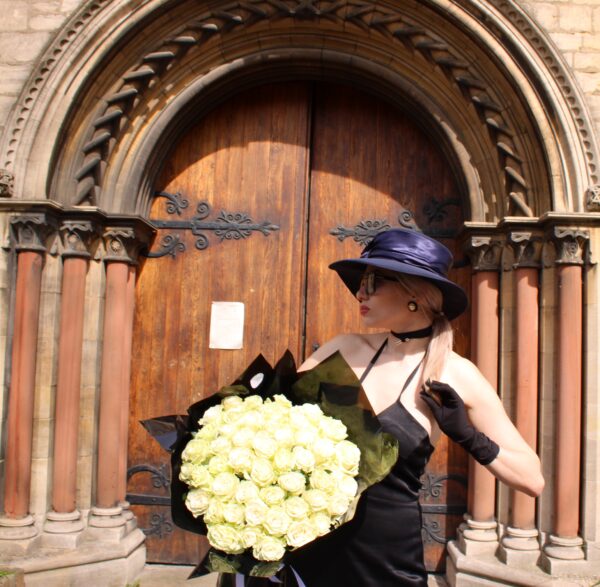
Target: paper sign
point(226, 325)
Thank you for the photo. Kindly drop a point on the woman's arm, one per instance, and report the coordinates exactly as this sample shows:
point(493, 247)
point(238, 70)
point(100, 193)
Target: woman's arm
point(516, 464)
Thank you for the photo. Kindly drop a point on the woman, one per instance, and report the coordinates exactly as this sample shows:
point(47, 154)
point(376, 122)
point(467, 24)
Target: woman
point(417, 386)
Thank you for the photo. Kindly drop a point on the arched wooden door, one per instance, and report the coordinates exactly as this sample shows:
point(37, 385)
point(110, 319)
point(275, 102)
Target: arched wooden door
point(254, 203)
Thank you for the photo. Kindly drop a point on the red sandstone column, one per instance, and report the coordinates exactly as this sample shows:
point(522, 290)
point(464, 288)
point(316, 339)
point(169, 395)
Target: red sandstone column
point(479, 533)
point(128, 336)
point(64, 517)
point(565, 544)
point(520, 541)
point(29, 232)
point(116, 355)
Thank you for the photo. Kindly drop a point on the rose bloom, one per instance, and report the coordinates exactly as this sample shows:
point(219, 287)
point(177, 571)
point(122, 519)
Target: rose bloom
point(234, 513)
point(348, 457)
point(292, 482)
point(226, 538)
point(321, 523)
point(316, 499)
point(264, 445)
point(232, 402)
point(195, 475)
point(300, 533)
point(255, 512)
point(268, 548)
point(284, 437)
point(296, 507)
point(217, 464)
point(220, 445)
point(276, 521)
point(197, 501)
point(333, 429)
point(251, 535)
point(323, 449)
point(246, 491)
point(214, 513)
point(212, 413)
point(196, 450)
point(321, 479)
point(262, 472)
point(303, 459)
point(240, 459)
point(272, 495)
point(338, 505)
point(345, 483)
point(243, 437)
point(225, 485)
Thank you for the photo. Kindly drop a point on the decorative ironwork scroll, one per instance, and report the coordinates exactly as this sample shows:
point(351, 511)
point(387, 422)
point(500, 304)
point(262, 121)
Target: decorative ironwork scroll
point(227, 225)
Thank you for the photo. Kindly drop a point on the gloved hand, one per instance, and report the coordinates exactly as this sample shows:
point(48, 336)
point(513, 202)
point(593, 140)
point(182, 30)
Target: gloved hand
point(451, 415)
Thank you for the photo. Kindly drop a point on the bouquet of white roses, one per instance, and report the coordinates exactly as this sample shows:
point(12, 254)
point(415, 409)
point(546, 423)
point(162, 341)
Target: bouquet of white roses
point(272, 462)
point(268, 475)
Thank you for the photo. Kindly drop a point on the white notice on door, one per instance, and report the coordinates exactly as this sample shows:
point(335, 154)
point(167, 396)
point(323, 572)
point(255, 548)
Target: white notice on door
point(226, 325)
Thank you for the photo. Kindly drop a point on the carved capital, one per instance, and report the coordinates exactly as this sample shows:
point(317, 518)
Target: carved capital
point(571, 245)
point(7, 182)
point(121, 244)
point(485, 252)
point(593, 197)
point(77, 238)
point(31, 231)
point(527, 248)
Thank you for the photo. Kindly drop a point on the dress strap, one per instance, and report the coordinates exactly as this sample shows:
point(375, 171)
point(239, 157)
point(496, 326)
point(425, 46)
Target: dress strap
point(374, 360)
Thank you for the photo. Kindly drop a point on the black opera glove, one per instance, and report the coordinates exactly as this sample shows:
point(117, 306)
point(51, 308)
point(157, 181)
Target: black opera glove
point(451, 415)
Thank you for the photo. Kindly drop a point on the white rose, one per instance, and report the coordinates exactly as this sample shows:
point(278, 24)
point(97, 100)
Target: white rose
point(232, 402)
point(225, 485)
point(312, 412)
point(284, 437)
point(250, 536)
point(225, 538)
point(218, 464)
point(246, 492)
point(292, 482)
point(214, 512)
point(196, 450)
point(252, 419)
point(253, 402)
point(333, 429)
point(255, 512)
point(243, 437)
point(323, 449)
point(321, 523)
point(213, 413)
point(195, 475)
point(303, 459)
point(272, 495)
point(296, 507)
point(282, 401)
point(276, 521)
point(264, 445)
point(283, 460)
point(338, 505)
point(348, 457)
point(197, 501)
point(268, 548)
point(300, 533)
point(233, 513)
point(346, 484)
point(321, 479)
point(240, 459)
point(316, 499)
point(220, 445)
point(262, 472)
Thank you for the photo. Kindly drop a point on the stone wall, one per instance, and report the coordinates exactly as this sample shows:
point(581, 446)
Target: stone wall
point(27, 26)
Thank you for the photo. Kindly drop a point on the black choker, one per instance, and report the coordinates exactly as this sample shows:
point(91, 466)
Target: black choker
point(406, 336)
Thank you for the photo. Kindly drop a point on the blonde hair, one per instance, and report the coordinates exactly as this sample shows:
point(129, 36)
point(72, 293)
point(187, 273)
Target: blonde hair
point(430, 300)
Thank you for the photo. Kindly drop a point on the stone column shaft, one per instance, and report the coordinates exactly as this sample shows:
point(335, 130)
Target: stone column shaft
point(22, 384)
point(111, 390)
point(568, 433)
point(484, 341)
point(64, 486)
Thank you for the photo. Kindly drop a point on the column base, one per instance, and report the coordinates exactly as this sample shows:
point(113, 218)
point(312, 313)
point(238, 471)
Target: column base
point(563, 555)
point(107, 517)
point(17, 535)
point(520, 547)
point(62, 529)
point(476, 538)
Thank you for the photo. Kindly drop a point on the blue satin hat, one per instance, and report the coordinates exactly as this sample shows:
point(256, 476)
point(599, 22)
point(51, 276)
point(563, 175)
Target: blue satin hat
point(412, 253)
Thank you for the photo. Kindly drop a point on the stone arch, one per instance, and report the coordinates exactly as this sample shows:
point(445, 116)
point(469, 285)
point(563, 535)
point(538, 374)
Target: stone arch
point(484, 78)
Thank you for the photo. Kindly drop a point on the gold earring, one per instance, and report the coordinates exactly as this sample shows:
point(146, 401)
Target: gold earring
point(412, 306)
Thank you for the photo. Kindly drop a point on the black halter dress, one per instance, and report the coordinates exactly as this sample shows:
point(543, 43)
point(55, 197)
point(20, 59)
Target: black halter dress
point(382, 545)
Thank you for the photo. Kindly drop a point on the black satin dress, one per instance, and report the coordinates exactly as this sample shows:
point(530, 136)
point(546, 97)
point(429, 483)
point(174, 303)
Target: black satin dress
point(382, 545)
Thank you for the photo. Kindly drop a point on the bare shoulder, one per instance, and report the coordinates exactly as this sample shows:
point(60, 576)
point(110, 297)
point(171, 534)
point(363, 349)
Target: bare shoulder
point(467, 379)
point(349, 345)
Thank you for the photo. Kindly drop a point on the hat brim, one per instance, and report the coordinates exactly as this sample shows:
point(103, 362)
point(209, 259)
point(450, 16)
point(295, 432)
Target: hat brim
point(351, 271)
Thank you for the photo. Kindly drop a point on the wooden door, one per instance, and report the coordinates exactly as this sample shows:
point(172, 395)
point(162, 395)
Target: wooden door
point(306, 172)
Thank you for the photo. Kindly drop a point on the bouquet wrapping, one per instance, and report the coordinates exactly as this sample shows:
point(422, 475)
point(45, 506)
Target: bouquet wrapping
point(272, 462)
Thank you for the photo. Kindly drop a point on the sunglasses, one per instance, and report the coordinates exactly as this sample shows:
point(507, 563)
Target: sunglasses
point(369, 281)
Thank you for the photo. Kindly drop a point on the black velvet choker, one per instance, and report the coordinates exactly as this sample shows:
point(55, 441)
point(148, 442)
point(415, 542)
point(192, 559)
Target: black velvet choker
point(405, 336)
